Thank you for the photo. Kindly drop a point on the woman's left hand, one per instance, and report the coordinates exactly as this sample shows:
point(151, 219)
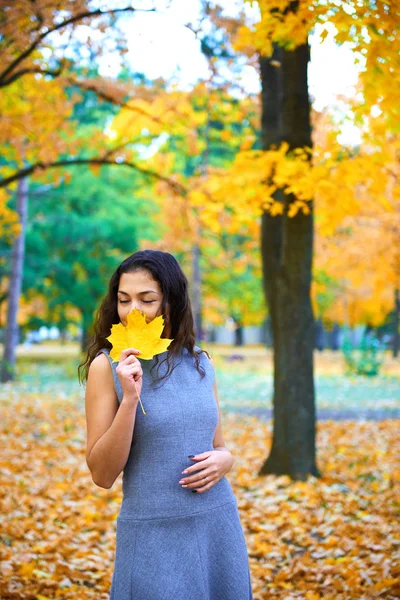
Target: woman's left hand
point(208, 469)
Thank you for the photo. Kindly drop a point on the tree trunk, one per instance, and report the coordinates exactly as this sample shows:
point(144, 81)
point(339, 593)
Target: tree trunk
point(287, 248)
point(239, 341)
point(15, 286)
point(396, 332)
point(335, 337)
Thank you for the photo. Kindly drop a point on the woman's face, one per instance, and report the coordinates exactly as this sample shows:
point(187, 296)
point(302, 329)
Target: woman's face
point(139, 290)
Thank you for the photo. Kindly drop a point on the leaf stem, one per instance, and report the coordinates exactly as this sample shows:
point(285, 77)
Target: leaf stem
point(141, 405)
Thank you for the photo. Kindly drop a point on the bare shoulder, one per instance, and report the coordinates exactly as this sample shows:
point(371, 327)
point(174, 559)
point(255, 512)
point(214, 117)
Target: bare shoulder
point(99, 364)
point(100, 375)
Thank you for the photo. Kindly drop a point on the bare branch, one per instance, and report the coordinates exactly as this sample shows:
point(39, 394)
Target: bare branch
point(36, 70)
point(29, 170)
point(74, 19)
point(109, 98)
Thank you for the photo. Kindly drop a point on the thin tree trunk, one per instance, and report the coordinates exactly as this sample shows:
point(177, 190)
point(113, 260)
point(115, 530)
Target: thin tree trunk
point(287, 247)
point(15, 286)
point(396, 332)
point(335, 337)
point(239, 334)
point(196, 252)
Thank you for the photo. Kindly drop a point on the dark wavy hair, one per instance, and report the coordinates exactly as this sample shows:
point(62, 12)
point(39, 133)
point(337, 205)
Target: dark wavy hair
point(165, 269)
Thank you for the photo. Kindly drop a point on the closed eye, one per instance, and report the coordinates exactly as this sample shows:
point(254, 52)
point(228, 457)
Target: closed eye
point(144, 301)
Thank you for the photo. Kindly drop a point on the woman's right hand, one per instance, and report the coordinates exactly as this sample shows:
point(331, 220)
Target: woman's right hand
point(130, 374)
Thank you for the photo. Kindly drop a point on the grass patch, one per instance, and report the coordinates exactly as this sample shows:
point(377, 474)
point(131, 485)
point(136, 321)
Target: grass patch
point(247, 383)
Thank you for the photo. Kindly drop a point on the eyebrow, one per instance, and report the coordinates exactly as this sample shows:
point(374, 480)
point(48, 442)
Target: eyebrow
point(140, 293)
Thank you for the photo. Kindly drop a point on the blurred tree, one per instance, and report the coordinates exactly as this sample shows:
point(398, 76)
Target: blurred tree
point(77, 234)
point(84, 213)
point(44, 49)
point(193, 133)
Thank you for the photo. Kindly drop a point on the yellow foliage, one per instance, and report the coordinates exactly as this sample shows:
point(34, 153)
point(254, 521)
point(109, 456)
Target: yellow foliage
point(9, 219)
point(34, 115)
point(372, 29)
point(140, 335)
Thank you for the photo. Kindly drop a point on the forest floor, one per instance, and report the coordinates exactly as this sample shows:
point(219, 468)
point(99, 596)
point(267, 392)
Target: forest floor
point(333, 537)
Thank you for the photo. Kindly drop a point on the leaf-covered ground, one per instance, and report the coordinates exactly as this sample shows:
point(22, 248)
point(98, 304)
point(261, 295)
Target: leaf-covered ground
point(336, 537)
point(332, 538)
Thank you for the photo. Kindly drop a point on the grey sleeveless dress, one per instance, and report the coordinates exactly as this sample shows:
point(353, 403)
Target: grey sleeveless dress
point(172, 543)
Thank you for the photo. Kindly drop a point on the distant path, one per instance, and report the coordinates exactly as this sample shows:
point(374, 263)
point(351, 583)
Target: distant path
point(325, 414)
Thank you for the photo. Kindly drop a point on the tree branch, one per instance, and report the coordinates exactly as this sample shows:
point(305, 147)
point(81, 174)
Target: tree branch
point(74, 19)
point(34, 70)
point(109, 98)
point(26, 171)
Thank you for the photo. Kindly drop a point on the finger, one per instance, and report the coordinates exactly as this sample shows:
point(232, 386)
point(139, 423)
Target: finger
point(133, 364)
point(201, 456)
point(127, 352)
point(205, 487)
point(193, 468)
point(131, 370)
point(198, 478)
point(129, 360)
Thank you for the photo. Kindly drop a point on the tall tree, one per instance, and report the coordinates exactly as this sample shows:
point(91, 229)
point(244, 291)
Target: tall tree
point(287, 249)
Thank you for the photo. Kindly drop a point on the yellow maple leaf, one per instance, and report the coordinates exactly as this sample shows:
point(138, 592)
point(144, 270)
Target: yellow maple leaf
point(140, 335)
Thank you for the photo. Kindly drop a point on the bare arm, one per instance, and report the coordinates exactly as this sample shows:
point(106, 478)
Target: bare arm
point(109, 427)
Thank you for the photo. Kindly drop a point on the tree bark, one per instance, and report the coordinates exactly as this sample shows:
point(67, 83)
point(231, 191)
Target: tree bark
point(15, 286)
point(287, 248)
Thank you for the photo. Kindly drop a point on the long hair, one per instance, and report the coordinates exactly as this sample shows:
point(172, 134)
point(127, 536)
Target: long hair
point(165, 269)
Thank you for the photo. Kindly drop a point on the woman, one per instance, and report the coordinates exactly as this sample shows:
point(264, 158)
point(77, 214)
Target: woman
point(178, 532)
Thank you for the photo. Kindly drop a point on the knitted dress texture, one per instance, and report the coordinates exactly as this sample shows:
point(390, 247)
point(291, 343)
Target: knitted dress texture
point(171, 543)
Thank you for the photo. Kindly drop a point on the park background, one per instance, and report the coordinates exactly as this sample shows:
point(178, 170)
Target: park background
point(203, 129)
